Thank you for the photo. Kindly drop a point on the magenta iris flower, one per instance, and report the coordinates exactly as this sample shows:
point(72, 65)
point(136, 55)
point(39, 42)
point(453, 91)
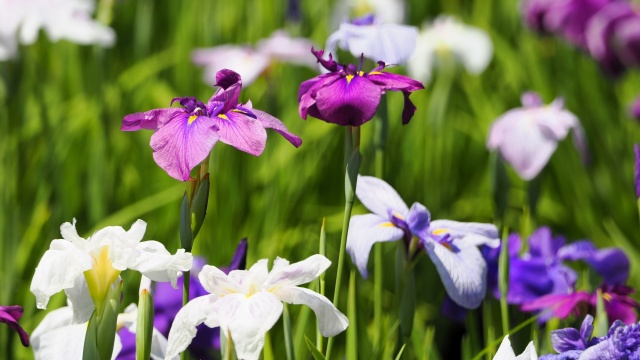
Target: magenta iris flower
point(10, 316)
point(184, 136)
point(621, 342)
point(350, 97)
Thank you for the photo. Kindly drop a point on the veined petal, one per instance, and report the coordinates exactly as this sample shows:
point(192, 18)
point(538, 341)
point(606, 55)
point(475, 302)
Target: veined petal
point(394, 82)
point(560, 305)
point(348, 102)
point(215, 281)
point(463, 273)
point(248, 319)
point(150, 120)
point(331, 321)
point(182, 144)
point(271, 122)
point(366, 230)
point(121, 243)
point(242, 132)
point(230, 85)
point(183, 329)
point(379, 197)
point(58, 269)
point(155, 262)
point(471, 233)
point(298, 273)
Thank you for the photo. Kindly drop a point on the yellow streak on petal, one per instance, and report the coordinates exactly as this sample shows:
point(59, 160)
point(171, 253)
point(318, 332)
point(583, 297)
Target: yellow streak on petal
point(239, 111)
point(386, 224)
point(192, 118)
point(440, 231)
point(360, 73)
point(223, 116)
point(100, 276)
point(375, 73)
point(606, 297)
point(349, 78)
point(398, 216)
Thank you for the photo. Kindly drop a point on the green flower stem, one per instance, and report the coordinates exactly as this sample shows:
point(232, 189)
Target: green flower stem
point(352, 330)
point(379, 141)
point(323, 252)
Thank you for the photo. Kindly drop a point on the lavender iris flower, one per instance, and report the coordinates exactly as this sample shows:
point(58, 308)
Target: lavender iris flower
point(168, 301)
point(184, 136)
point(350, 97)
point(10, 316)
point(451, 245)
point(621, 342)
point(527, 137)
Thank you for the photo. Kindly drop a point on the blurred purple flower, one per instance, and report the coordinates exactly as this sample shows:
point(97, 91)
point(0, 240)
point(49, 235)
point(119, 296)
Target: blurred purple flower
point(527, 137)
point(617, 303)
point(184, 136)
point(621, 342)
point(636, 178)
point(350, 97)
point(10, 316)
point(168, 301)
point(251, 62)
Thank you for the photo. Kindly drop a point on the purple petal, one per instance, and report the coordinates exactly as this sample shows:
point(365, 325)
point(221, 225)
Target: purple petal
point(239, 261)
point(561, 305)
point(402, 83)
point(179, 146)
point(531, 99)
point(471, 233)
point(601, 34)
point(150, 120)
point(230, 85)
point(528, 280)
point(242, 132)
point(419, 220)
point(271, 122)
point(543, 244)
point(611, 263)
point(348, 102)
point(10, 316)
point(586, 329)
point(567, 339)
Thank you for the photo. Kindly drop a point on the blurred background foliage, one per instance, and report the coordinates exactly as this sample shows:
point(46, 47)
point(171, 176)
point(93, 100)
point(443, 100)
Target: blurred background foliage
point(63, 156)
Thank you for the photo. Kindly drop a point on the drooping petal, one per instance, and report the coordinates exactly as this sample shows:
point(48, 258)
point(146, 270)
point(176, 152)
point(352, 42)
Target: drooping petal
point(561, 305)
point(331, 321)
point(183, 329)
point(470, 233)
point(248, 318)
point(56, 337)
point(80, 301)
point(348, 101)
point(10, 316)
point(150, 120)
point(182, 144)
point(242, 132)
point(463, 272)
point(271, 122)
point(611, 263)
point(58, 269)
point(156, 262)
point(298, 273)
point(396, 82)
point(364, 231)
point(379, 197)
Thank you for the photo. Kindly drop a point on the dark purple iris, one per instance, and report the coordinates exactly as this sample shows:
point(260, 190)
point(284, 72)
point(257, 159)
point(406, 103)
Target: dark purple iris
point(10, 316)
point(350, 97)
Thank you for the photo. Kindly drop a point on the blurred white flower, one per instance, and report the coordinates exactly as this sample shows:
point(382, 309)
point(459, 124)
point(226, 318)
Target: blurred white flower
point(86, 269)
point(247, 303)
point(505, 352)
point(250, 62)
point(391, 43)
point(448, 38)
point(388, 11)
point(21, 20)
point(527, 137)
point(57, 337)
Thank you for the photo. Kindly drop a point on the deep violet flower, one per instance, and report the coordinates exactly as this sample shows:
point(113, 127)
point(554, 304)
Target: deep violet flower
point(184, 136)
point(622, 342)
point(10, 316)
point(451, 245)
point(527, 137)
point(350, 97)
point(617, 303)
point(168, 301)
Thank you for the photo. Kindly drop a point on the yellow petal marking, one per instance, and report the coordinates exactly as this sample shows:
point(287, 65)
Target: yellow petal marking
point(349, 78)
point(223, 116)
point(375, 73)
point(386, 224)
point(192, 118)
point(440, 231)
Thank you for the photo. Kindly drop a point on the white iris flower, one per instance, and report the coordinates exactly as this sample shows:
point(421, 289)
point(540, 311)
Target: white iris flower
point(505, 352)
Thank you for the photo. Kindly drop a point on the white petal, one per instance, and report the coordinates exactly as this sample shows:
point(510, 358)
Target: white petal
point(471, 233)
point(330, 320)
point(472, 47)
point(379, 197)
point(155, 262)
point(421, 63)
point(248, 319)
point(159, 346)
point(463, 273)
point(390, 43)
point(183, 328)
point(287, 49)
point(80, 300)
point(298, 273)
point(241, 59)
point(364, 231)
point(215, 281)
point(505, 352)
point(58, 270)
point(529, 353)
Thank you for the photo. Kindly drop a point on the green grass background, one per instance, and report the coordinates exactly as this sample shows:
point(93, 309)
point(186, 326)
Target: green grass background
point(62, 155)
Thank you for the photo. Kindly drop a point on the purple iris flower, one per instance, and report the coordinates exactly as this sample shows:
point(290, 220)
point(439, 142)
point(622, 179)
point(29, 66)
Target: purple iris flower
point(622, 342)
point(451, 245)
point(350, 97)
point(184, 136)
point(168, 301)
point(10, 316)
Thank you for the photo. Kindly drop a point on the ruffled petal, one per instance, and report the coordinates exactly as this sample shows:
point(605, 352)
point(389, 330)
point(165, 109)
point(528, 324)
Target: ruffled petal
point(156, 263)
point(182, 144)
point(150, 120)
point(364, 231)
point(271, 122)
point(379, 197)
point(348, 102)
point(463, 272)
point(297, 273)
point(242, 132)
point(331, 321)
point(58, 269)
point(183, 329)
point(215, 281)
